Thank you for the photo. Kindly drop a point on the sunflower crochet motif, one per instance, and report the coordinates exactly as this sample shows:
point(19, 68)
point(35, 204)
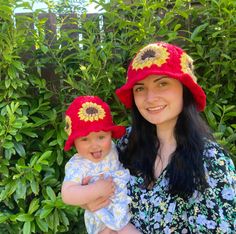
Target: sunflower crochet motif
point(152, 54)
point(91, 112)
point(68, 125)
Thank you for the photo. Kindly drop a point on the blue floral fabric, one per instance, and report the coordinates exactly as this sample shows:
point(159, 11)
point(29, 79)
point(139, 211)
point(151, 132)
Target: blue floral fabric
point(214, 211)
point(116, 215)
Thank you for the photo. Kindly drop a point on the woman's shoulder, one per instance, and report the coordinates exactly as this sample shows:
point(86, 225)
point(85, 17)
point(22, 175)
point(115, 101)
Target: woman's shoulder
point(216, 158)
point(123, 141)
point(213, 150)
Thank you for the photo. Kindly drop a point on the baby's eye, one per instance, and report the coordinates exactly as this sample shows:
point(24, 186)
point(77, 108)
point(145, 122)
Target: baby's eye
point(101, 137)
point(83, 139)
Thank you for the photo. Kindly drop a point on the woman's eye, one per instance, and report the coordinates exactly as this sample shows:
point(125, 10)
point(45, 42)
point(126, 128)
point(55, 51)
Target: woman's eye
point(138, 89)
point(162, 84)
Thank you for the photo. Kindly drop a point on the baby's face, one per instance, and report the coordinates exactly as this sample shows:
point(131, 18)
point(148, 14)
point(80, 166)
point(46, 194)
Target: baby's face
point(95, 146)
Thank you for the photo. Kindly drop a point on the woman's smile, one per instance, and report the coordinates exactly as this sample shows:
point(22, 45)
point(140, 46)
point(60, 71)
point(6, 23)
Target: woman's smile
point(156, 109)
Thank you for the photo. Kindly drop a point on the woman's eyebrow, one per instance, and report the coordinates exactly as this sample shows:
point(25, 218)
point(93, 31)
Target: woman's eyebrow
point(155, 80)
point(159, 78)
point(138, 83)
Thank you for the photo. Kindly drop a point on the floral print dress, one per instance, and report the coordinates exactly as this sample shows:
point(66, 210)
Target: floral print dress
point(214, 211)
point(116, 215)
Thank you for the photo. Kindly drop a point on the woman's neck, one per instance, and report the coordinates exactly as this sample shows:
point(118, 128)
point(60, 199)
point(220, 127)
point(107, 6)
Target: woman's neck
point(166, 137)
point(167, 147)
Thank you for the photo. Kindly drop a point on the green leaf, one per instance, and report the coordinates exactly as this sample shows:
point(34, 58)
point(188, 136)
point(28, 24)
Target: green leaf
point(210, 118)
point(3, 217)
point(231, 138)
point(8, 145)
point(51, 193)
point(44, 49)
point(215, 88)
point(29, 132)
point(56, 220)
point(226, 56)
point(21, 189)
point(18, 65)
point(53, 221)
point(44, 156)
point(7, 83)
point(42, 224)
point(218, 135)
point(18, 137)
point(233, 126)
point(46, 211)
point(12, 72)
point(177, 27)
point(26, 228)
point(217, 111)
point(4, 170)
point(19, 149)
point(63, 217)
point(25, 218)
point(229, 108)
point(48, 135)
point(60, 157)
point(34, 205)
point(38, 167)
point(53, 143)
point(34, 186)
point(17, 124)
point(197, 30)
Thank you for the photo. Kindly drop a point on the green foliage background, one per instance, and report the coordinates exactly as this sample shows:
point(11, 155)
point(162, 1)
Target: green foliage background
point(41, 71)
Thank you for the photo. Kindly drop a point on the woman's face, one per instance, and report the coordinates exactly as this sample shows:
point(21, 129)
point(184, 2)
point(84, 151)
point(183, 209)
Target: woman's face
point(159, 99)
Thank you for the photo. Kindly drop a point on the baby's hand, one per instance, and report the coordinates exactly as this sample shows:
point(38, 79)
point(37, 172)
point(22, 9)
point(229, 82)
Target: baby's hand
point(105, 187)
point(86, 180)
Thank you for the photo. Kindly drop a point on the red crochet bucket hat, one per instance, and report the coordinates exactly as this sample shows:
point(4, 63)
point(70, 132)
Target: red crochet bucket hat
point(162, 59)
point(89, 114)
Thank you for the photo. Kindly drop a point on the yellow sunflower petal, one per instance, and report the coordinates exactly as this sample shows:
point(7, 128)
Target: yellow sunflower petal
point(187, 66)
point(68, 125)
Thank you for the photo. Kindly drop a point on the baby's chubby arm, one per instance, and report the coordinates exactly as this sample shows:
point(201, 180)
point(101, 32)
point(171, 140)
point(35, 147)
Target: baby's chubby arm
point(77, 194)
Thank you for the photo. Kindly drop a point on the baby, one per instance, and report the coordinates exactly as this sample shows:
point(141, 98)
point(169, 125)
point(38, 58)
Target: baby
point(90, 130)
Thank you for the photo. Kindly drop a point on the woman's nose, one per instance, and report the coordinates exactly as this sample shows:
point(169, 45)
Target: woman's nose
point(150, 95)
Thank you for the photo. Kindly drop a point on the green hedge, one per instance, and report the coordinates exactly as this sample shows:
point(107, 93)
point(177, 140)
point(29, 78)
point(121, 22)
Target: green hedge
point(41, 71)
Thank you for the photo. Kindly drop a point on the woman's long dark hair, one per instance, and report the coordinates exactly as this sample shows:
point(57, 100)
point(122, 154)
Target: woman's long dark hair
point(185, 170)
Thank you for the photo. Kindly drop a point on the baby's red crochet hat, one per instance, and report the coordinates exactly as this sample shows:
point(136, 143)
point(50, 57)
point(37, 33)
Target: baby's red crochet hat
point(88, 114)
point(162, 59)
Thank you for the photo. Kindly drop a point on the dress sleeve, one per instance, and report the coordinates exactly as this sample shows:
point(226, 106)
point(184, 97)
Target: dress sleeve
point(214, 211)
point(74, 170)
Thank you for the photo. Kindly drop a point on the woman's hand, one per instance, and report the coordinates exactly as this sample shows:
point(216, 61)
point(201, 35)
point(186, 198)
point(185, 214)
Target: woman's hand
point(107, 231)
point(102, 201)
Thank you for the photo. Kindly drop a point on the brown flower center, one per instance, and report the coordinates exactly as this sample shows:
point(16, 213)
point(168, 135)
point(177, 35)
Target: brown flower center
point(91, 110)
point(148, 54)
point(190, 66)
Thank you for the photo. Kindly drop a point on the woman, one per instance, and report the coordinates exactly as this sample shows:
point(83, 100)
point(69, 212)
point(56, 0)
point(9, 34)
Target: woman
point(182, 180)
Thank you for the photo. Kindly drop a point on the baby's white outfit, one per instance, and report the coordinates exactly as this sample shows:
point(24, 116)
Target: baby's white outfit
point(116, 215)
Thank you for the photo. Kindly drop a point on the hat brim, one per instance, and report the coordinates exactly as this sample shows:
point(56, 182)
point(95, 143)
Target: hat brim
point(125, 94)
